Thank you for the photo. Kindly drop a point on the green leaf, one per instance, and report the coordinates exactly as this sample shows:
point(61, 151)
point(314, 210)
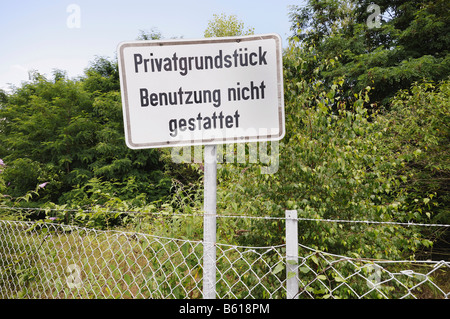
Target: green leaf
point(304, 269)
point(339, 279)
point(279, 267)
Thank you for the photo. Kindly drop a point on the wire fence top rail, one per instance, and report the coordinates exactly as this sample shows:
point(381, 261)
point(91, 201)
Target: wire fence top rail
point(168, 214)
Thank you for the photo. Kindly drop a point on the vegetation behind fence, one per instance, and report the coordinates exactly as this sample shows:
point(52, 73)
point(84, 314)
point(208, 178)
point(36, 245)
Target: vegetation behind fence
point(49, 260)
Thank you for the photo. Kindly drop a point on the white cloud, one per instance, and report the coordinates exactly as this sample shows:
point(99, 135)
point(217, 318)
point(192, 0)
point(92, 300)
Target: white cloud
point(14, 75)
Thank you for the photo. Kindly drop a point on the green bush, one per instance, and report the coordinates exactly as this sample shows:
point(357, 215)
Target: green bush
point(337, 161)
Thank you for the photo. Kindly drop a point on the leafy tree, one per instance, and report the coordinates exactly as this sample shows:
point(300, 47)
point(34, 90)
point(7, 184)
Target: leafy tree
point(226, 26)
point(333, 165)
point(102, 76)
point(411, 43)
point(153, 34)
point(417, 129)
point(68, 133)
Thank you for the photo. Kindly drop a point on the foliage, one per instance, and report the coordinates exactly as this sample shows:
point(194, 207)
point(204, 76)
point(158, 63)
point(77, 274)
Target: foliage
point(226, 26)
point(418, 131)
point(153, 34)
point(69, 134)
point(339, 162)
point(424, 141)
point(410, 44)
point(2, 180)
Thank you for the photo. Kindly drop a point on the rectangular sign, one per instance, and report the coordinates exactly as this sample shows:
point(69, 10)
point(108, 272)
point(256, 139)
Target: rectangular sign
point(199, 92)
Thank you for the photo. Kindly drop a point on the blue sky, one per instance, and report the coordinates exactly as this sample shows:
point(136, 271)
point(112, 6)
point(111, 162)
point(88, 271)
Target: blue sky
point(35, 35)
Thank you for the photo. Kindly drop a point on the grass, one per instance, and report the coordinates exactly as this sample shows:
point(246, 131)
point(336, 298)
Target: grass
point(105, 264)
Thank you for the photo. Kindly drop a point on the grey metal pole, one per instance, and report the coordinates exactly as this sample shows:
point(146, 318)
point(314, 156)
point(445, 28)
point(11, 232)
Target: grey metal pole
point(209, 222)
point(291, 254)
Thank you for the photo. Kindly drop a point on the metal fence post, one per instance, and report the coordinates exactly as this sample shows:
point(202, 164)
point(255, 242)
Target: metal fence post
point(209, 223)
point(291, 254)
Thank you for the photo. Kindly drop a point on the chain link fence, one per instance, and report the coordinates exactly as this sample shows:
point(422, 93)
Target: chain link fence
point(49, 260)
point(323, 275)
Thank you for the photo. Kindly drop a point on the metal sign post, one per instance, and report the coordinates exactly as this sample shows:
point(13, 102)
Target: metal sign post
point(209, 222)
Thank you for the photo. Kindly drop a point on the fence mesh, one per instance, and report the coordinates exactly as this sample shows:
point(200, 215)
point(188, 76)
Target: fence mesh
point(331, 276)
point(47, 260)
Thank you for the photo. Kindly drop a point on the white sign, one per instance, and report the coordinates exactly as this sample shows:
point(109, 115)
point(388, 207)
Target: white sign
point(198, 92)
